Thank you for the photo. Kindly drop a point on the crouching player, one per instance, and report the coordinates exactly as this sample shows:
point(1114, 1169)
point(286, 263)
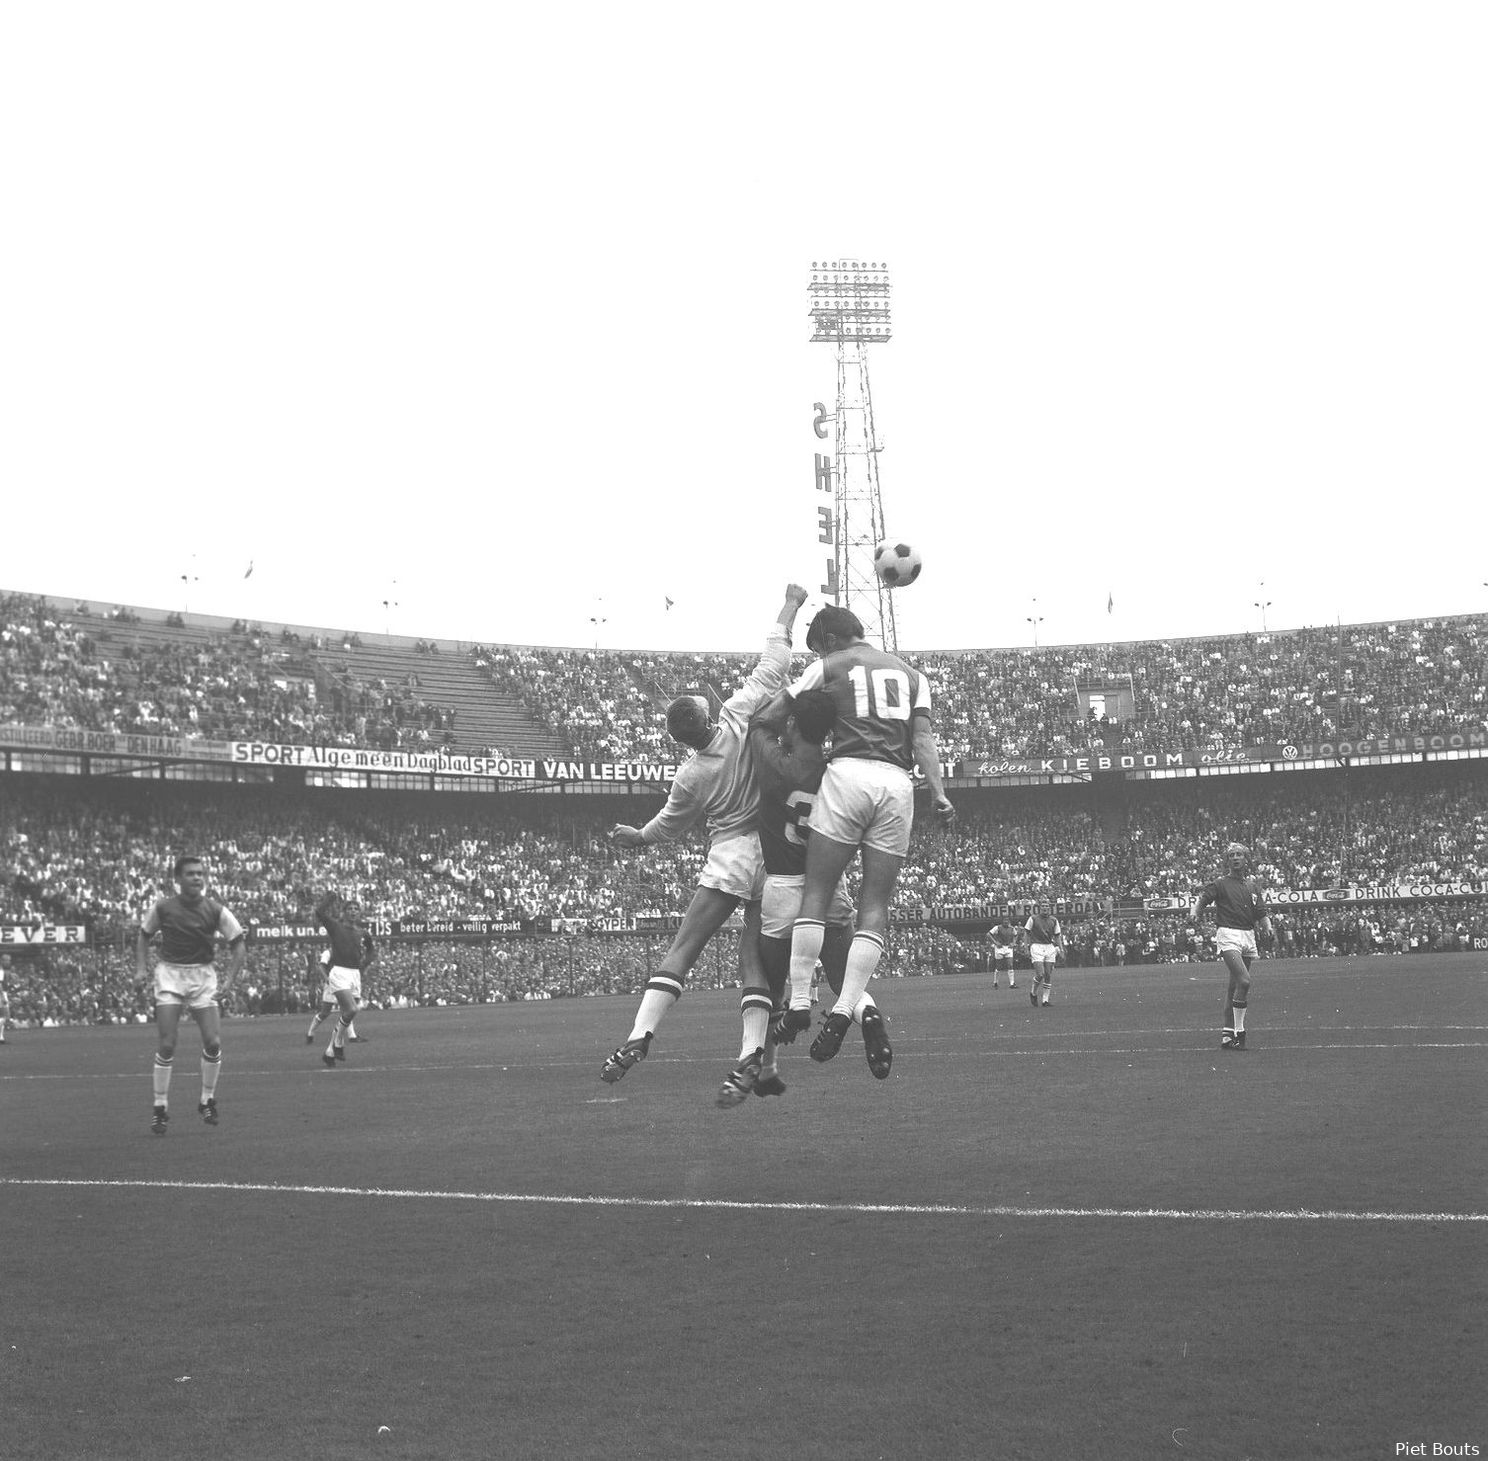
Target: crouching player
point(786, 742)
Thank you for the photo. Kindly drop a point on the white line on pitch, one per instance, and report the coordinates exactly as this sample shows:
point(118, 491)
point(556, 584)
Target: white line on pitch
point(1295, 1215)
point(999, 1053)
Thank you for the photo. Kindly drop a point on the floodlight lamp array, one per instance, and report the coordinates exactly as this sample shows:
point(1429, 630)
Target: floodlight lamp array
point(849, 300)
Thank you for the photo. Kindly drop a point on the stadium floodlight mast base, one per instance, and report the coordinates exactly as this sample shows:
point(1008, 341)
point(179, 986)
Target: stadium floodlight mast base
point(850, 310)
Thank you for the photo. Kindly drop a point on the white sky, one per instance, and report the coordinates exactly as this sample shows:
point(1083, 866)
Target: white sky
point(501, 317)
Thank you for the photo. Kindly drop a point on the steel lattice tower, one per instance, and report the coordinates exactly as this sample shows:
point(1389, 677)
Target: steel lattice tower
point(850, 309)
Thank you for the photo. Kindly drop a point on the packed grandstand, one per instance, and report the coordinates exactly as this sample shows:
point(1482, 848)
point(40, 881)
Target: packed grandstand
point(467, 807)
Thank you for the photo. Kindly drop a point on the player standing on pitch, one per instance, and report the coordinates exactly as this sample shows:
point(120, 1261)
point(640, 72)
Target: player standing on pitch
point(866, 802)
point(1239, 911)
point(1045, 940)
point(343, 981)
point(189, 926)
point(1004, 939)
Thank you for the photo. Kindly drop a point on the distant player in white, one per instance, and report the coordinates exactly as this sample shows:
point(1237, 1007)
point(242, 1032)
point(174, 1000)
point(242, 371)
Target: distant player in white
point(1004, 939)
point(717, 787)
point(4, 995)
point(1045, 939)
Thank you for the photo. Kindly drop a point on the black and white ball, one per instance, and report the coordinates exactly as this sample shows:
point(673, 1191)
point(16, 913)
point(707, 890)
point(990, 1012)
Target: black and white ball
point(896, 563)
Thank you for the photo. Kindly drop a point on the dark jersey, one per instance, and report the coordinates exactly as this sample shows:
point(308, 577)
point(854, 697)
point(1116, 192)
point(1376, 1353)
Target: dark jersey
point(788, 783)
point(1238, 902)
point(189, 931)
point(346, 943)
point(877, 697)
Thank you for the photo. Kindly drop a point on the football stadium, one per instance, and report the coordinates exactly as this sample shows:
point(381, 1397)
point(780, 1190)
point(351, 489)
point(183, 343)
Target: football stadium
point(1073, 1227)
point(743, 733)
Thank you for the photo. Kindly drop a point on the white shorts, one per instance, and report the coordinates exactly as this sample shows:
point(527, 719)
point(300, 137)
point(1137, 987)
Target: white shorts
point(1043, 953)
point(865, 804)
point(1240, 940)
point(1002, 955)
point(338, 977)
point(781, 902)
point(735, 866)
point(193, 985)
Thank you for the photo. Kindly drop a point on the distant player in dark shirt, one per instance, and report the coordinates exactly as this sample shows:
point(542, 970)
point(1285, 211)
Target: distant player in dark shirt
point(328, 1003)
point(343, 981)
point(1239, 911)
point(189, 927)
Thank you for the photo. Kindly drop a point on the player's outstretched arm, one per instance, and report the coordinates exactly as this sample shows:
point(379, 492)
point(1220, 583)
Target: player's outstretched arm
point(681, 811)
point(795, 596)
point(768, 676)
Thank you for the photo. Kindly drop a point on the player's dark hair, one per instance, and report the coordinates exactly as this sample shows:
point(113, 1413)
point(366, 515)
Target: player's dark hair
point(183, 862)
point(816, 713)
point(832, 620)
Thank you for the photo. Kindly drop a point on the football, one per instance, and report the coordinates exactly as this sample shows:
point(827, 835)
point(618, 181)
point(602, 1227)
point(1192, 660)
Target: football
point(896, 564)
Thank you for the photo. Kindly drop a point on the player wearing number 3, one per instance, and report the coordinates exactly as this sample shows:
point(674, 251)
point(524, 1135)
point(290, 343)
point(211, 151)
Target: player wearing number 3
point(866, 802)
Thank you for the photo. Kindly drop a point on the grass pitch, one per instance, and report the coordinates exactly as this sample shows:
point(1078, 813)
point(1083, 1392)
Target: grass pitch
point(1074, 1232)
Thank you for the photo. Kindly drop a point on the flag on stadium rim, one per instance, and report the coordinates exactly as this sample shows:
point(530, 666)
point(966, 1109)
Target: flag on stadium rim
point(1110, 601)
point(249, 574)
point(669, 602)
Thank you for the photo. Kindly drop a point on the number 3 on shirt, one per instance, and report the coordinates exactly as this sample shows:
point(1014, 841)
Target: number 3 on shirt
point(882, 696)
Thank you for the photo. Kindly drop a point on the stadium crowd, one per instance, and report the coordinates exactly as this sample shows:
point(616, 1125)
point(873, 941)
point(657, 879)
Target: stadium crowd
point(1425, 676)
point(62, 987)
point(100, 858)
point(1310, 685)
point(238, 684)
point(99, 853)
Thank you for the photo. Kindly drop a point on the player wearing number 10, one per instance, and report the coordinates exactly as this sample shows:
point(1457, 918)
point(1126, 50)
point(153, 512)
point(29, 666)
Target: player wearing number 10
point(883, 730)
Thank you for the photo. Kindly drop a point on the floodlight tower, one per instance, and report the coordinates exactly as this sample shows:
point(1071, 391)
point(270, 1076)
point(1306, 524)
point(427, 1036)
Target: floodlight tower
point(850, 309)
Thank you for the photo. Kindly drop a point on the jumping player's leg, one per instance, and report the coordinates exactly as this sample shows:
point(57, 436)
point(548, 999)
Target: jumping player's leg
point(322, 1014)
point(755, 1001)
point(708, 911)
point(826, 861)
point(755, 1006)
point(880, 874)
point(346, 1005)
